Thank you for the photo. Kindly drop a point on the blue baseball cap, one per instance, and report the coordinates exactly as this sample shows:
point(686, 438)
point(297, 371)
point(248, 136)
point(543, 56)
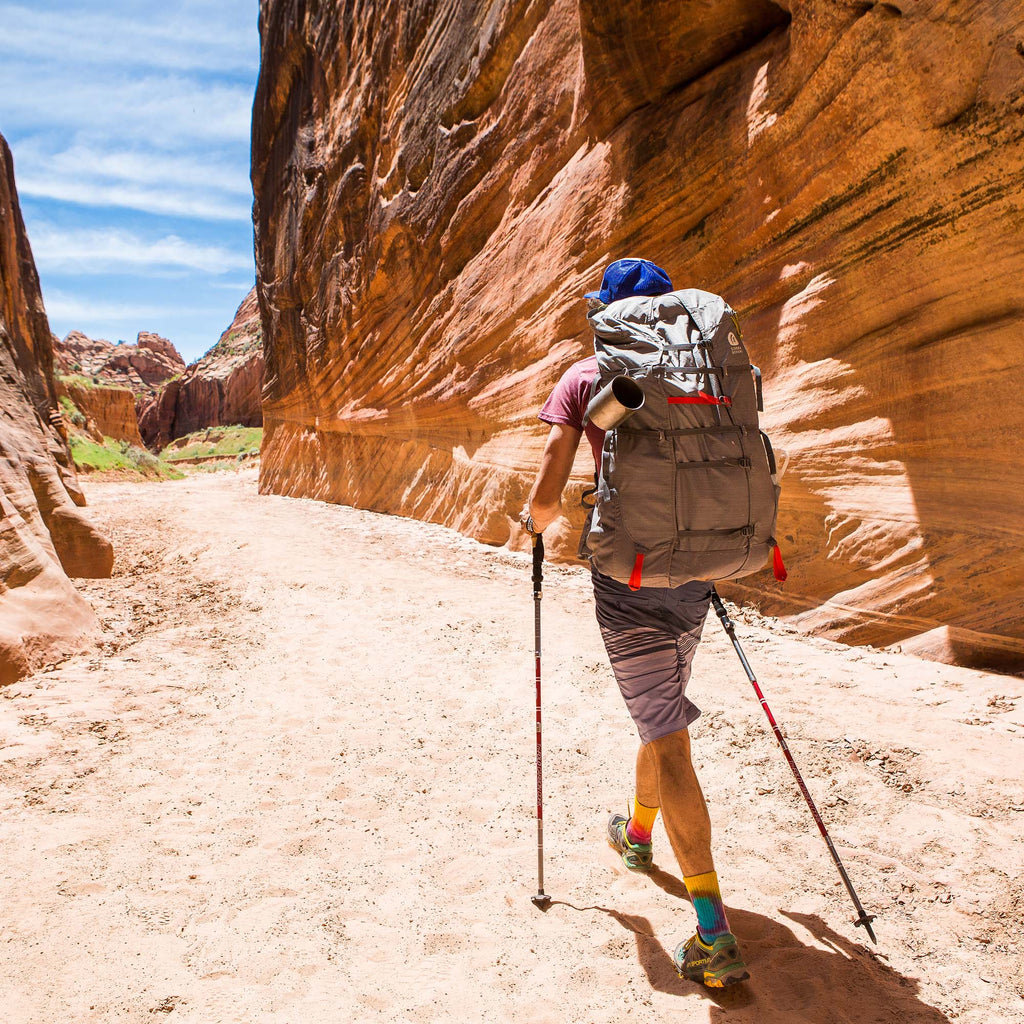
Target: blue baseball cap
point(631, 276)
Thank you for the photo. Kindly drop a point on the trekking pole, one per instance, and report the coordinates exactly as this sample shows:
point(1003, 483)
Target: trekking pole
point(540, 900)
point(863, 918)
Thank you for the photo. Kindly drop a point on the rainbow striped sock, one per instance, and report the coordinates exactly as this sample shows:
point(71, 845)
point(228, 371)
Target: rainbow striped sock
point(707, 901)
point(638, 829)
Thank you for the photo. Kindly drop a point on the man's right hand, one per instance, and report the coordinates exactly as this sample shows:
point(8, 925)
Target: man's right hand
point(527, 520)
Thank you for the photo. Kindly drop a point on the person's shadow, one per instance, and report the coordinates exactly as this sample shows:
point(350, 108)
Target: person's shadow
point(790, 981)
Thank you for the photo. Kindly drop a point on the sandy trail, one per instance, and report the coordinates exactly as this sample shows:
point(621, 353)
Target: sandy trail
point(296, 785)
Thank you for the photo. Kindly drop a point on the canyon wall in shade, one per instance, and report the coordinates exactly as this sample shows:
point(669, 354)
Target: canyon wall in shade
point(44, 537)
point(437, 184)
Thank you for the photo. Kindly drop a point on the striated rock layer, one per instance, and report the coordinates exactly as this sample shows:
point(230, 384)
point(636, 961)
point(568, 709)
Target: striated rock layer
point(221, 389)
point(109, 411)
point(437, 184)
point(44, 538)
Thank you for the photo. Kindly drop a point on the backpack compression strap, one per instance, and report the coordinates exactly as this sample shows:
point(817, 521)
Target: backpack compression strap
point(701, 398)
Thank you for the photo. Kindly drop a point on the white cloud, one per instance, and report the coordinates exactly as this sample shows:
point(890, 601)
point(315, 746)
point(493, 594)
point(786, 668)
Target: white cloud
point(142, 166)
point(240, 287)
point(77, 309)
point(159, 110)
point(178, 202)
point(177, 37)
point(112, 251)
point(208, 187)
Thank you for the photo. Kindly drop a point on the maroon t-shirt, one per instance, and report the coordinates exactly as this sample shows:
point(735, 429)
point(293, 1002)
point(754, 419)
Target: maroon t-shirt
point(567, 404)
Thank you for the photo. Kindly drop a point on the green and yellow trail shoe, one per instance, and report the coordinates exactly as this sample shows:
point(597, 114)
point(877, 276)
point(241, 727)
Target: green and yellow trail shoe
point(636, 856)
point(715, 965)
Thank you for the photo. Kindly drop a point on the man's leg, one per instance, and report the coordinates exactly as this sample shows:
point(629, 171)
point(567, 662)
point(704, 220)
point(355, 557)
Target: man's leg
point(646, 777)
point(681, 800)
point(665, 774)
point(641, 632)
point(711, 956)
point(645, 800)
point(650, 637)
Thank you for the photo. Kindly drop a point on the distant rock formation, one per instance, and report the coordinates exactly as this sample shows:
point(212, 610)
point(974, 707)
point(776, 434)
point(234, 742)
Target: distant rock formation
point(142, 367)
point(437, 185)
point(112, 384)
point(170, 400)
point(44, 538)
point(220, 389)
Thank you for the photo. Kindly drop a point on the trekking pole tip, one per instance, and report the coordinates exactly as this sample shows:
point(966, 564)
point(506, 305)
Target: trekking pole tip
point(865, 921)
point(541, 900)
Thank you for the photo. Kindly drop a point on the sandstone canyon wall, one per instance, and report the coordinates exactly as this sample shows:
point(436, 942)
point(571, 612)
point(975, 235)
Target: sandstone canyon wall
point(109, 411)
point(220, 389)
point(436, 184)
point(44, 537)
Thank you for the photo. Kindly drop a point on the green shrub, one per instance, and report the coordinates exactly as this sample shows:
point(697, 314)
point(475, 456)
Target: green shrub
point(226, 441)
point(78, 380)
point(72, 411)
point(119, 455)
point(143, 460)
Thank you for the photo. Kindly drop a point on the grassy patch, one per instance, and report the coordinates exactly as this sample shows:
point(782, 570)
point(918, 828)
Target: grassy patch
point(72, 411)
point(219, 441)
point(79, 380)
point(119, 456)
point(238, 341)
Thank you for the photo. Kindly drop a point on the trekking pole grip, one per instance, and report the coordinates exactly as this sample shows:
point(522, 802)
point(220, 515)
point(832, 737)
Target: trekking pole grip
point(538, 564)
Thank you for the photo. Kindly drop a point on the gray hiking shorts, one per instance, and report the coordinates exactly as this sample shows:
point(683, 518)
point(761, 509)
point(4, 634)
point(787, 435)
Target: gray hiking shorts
point(651, 635)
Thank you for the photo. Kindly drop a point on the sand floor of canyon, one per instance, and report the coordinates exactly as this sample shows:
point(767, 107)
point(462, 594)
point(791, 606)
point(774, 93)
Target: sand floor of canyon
point(296, 783)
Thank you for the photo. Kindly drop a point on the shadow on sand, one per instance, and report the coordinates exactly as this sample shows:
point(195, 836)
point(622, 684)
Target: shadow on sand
point(791, 982)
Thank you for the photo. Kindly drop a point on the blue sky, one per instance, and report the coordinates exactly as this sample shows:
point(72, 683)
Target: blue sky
point(129, 124)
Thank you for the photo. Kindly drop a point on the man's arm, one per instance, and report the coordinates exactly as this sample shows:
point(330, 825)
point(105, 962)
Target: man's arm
point(545, 502)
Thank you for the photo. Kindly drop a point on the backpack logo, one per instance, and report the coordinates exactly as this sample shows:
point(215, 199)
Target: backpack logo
point(734, 343)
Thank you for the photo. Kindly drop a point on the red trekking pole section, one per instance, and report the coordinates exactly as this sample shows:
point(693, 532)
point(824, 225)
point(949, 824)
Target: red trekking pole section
point(863, 919)
point(540, 899)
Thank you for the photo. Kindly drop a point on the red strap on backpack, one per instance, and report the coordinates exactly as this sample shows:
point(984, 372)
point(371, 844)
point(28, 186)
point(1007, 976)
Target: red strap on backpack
point(638, 571)
point(778, 567)
point(701, 398)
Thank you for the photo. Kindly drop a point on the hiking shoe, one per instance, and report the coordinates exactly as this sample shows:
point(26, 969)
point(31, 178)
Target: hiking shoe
point(715, 965)
point(636, 856)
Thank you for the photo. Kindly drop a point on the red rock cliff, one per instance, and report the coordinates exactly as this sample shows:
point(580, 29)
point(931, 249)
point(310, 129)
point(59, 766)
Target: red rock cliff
point(437, 184)
point(109, 411)
point(221, 389)
point(44, 538)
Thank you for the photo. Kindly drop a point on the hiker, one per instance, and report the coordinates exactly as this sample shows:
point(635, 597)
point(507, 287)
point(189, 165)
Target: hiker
point(650, 633)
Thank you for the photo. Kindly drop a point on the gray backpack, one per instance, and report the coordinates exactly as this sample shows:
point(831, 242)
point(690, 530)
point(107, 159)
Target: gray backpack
point(687, 488)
